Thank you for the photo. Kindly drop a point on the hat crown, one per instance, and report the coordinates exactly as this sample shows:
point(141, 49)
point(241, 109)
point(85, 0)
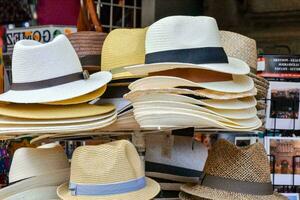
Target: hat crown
point(106, 164)
point(240, 46)
point(33, 61)
point(182, 32)
point(31, 162)
point(123, 47)
point(243, 164)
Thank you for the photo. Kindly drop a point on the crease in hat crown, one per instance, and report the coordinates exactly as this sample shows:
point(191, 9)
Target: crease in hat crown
point(32, 162)
point(33, 61)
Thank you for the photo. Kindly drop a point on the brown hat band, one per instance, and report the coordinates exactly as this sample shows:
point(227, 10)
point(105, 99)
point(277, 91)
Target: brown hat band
point(90, 60)
point(236, 186)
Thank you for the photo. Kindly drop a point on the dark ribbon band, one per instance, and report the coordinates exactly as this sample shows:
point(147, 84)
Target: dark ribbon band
point(236, 186)
point(194, 56)
point(90, 60)
point(50, 82)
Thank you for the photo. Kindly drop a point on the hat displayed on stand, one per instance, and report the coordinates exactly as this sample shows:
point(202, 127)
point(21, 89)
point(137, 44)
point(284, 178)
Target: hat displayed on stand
point(34, 168)
point(232, 172)
point(121, 176)
point(180, 71)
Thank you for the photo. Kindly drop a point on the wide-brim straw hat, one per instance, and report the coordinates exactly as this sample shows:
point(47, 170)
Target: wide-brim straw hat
point(122, 176)
point(51, 112)
point(45, 193)
point(170, 105)
point(239, 83)
point(231, 172)
point(49, 77)
point(122, 48)
point(230, 104)
point(81, 99)
point(168, 49)
point(88, 46)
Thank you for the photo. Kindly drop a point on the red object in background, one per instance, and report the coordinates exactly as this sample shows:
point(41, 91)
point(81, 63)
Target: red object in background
point(58, 12)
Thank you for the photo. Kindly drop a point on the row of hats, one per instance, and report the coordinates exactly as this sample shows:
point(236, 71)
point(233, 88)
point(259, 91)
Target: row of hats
point(115, 171)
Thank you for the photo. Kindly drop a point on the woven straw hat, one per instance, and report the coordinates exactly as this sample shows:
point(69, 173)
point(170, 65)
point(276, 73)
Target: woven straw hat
point(36, 167)
point(45, 193)
point(177, 41)
point(121, 48)
point(231, 172)
point(88, 46)
point(49, 72)
point(239, 83)
point(121, 176)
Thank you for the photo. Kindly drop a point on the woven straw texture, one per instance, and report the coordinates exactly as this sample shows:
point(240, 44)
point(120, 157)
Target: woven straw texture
point(225, 160)
point(31, 162)
point(118, 161)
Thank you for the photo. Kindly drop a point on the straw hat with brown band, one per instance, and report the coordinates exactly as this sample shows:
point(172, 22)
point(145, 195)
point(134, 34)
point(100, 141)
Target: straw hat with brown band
point(231, 172)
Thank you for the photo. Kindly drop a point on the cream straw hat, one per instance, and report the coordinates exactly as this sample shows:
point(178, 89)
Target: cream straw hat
point(231, 172)
point(187, 42)
point(231, 104)
point(36, 167)
point(49, 72)
point(45, 193)
point(121, 174)
point(238, 84)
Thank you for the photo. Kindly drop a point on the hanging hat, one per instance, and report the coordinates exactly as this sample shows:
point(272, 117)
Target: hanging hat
point(121, 176)
point(122, 48)
point(88, 46)
point(49, 72)
point(36, 167)
point(186, 42)
point(231, 172)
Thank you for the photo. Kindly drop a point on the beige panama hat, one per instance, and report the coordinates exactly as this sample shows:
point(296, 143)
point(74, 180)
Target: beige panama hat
point(239, 83)
point(231, 172)
point(36, 167)
point(122, 48)
point(121, 176)
point(230, 104)
point(196, 44)
point(39, 84)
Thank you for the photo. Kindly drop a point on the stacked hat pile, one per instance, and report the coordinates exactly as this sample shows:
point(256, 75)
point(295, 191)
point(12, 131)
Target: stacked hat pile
point(191, 81)
point(244, 48)
point(50, 91)
point(35, 173)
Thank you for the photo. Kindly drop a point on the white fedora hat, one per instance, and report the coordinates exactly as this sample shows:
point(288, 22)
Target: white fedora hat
point(186, 42)
point(230, 104)
point(121, 176)
point(45, 193)
point(36, 167)
point(197, 93)
point(49, 72)
point(169, 105)
point(240, 83)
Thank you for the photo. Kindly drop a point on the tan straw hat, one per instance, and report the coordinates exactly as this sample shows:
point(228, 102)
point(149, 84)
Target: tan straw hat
point(88, 46)
point(122, 48)
point(36, 167)
point(231, 172)
point(108, 172)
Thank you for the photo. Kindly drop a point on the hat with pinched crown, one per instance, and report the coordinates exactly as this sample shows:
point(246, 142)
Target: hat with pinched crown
point(231, 172)
point(108, 172)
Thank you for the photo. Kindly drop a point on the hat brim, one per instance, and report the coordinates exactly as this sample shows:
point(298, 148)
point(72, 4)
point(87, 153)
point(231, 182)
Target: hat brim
point(81, 99)
point(239, 83)
point(170, 105)
point(199, 192)
point(154, 120)
point(230, 104)
point(150, 191)
point(200, 93)
point(36, 193)
point(58, 93)
point(125, 75)
point(52, 179)
point(39, 111)
point(63, 128)
point(234, 66)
